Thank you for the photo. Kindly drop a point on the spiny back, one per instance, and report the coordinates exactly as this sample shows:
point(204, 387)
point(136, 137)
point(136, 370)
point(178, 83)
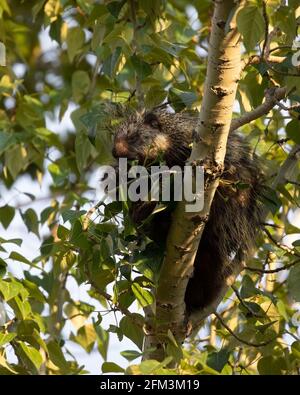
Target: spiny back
point(234, 216)
point(162, 134)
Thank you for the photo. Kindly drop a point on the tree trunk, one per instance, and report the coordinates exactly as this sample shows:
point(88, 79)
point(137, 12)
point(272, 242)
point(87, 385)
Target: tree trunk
point(209, 148)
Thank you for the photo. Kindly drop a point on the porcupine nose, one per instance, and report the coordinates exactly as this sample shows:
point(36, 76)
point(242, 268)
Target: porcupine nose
point(120, 148)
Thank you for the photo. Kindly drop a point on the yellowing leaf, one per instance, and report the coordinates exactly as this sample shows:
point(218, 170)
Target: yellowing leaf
point(86, 337)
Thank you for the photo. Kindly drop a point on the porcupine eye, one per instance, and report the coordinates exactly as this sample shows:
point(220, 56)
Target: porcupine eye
point(152, 120)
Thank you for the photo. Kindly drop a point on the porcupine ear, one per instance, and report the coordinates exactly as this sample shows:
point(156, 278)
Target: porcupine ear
point(151, 119)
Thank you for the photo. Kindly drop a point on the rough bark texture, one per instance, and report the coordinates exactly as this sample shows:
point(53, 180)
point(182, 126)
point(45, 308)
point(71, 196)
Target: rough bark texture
point(223, 70)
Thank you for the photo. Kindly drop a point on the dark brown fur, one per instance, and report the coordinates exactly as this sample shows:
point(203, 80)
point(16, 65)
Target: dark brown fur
point(230, 231)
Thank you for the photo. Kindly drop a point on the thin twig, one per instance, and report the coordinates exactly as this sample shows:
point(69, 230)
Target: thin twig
point(272, 95)
point(108, 297)
point(266, 19)
point(293, 183)
point(279, 269)
point(87, 217)
point(262, 344)
point(272, 225)
point(236, 291)
point(283, 247)
point(292, 334)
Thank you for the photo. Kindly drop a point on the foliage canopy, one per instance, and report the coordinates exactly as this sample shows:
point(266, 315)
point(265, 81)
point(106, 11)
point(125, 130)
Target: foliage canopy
point(75, 56)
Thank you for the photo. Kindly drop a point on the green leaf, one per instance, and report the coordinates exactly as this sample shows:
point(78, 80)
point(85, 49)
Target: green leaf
point(34, 291)
point(131, 327)
point(110, 64)
point(296, 349)
point(83, 150)
point(33, 355)
point(270, 365)
point(57, 356)
point(149, 261)
point(62, 232)
point(46, 213)
point(10, 290)
point(123, 294)
point(103, 145)
point(6, 338)
point(109, 367)
point(58, 173)
point(47, 246)
point(21, 308)
point(37, 8)
point(31, 221)
point(150, 366)
point(251, 25)
point(51, 138)
point(72, 215)
point(75, 41)
point(270, 198)
point(80, 84)
point(114, 7)
point(16, 166)
point(7, 214)
point(13, 241)
point(293, 130)
point(282, 189)
point(141, 68)
point(181, 99)
point(155, 96)
point(15, 256)
point(130, 355)
point(293, 282)
point(248, 288)
point(6, 141)
point(66, 260)
point(263, 328)
point(102, 340)
point(3, 267)
point(104, 228)
point(217, 360)
point(144, 297)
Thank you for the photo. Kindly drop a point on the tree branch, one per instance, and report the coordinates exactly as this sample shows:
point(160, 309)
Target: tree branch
point(291, 251)
point(273, 95)
point(266, 18)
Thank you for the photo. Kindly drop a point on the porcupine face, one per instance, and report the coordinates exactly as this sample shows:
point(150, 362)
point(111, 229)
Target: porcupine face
point(141, 137)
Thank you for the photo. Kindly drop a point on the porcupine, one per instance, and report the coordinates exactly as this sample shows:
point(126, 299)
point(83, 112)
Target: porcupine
point(232, 225)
